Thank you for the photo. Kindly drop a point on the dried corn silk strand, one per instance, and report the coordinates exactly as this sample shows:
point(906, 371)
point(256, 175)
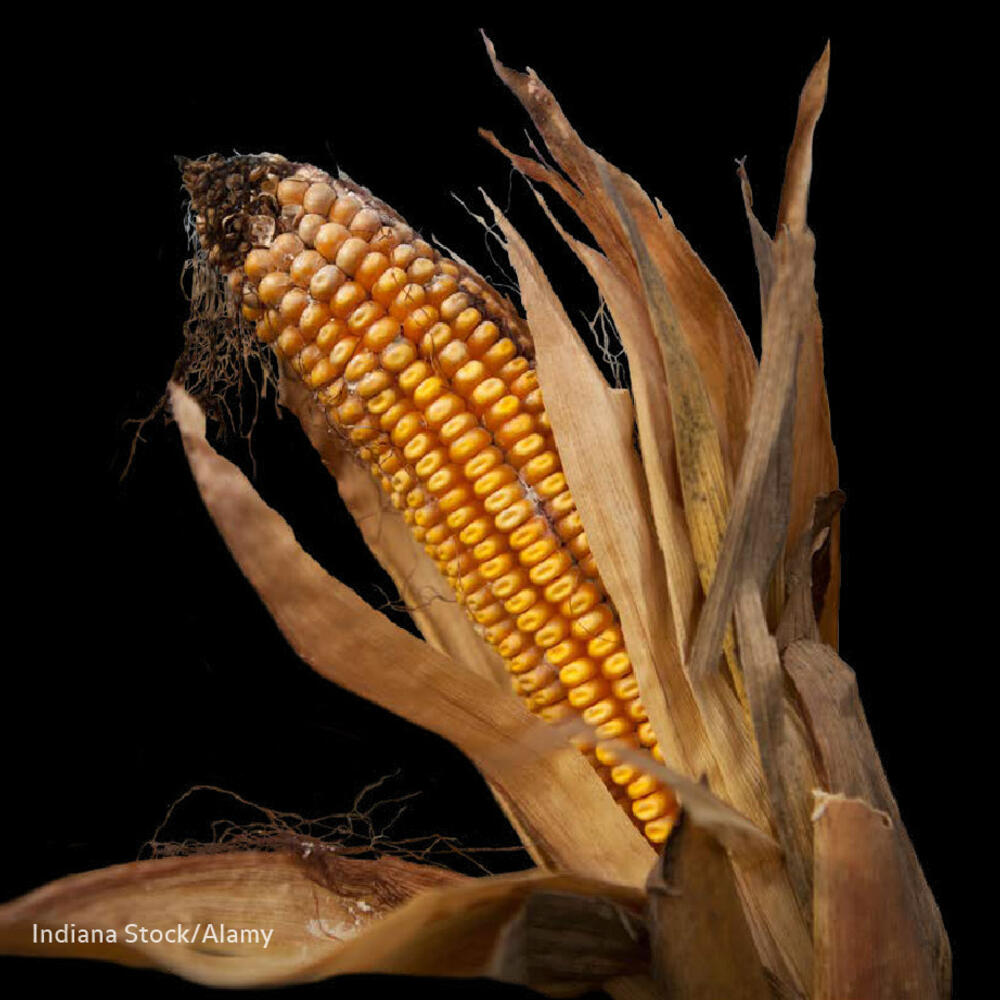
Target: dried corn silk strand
point(427, 372)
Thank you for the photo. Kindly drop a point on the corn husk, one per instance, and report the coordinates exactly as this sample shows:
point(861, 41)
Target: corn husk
point(312, 905)
point(322, 914)
point(791, 874)
point(340, 636)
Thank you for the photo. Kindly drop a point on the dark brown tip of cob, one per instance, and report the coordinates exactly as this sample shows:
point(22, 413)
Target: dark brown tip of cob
point(234, 200)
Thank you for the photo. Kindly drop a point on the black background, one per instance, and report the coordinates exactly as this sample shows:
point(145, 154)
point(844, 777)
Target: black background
point(147, 665)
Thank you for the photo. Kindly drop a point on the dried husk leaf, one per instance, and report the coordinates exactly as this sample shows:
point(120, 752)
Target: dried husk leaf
point(726, 364)
point(815, 470)
point(849, 764)
point(805, 565)
point(716, 337)
point(585, 422)
point(504, 928)
point(653, 421)
point(312, 907)
point(590, 419)
point(868, 943)
point(702, 946)
point(753, 539)
point(701, 466)
point(329, 915)
point(428, 599)
point(341, 637)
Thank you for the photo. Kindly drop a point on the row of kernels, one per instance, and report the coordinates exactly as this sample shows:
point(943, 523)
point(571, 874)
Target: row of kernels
point(482, 399)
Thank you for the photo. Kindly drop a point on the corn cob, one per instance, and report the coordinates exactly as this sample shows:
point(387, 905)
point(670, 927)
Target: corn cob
point(427, 372)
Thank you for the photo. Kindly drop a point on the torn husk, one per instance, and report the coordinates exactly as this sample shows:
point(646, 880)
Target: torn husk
point(285, 913)
point(727, 516)
point(868, 943)
point(784, 465)
point(344, 639)
point(300, 917)
point(404, 388)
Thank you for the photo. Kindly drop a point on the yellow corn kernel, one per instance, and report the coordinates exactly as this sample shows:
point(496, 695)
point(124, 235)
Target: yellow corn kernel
point(418, 363)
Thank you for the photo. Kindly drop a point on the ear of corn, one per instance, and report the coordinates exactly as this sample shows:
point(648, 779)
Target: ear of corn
point(427, 371)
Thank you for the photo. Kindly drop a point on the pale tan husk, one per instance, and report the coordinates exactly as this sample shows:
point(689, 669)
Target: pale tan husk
point(791, 874)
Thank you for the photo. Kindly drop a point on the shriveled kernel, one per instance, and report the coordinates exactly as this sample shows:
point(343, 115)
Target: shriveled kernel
point(292, 305)
point(468, 377)
point(371, 268)
point(329, 333)
point(398, 356)
point(322, 373)
point(290, 341)
point(362, 363)
point(286, 248)
point(325, 282)
point(305, 266)
point(347, 298)
point(291, 216)
point(259, 263)
point(344, 209)
point(308, 357)
point(443, 409)
point(381, 333)
point(309, 226)
point(350, 255)
point(291, 191)
point(421, 270)
point(312, 319)
point(366, 224)
point(363, 317)
point(273, 287)
point(388, 285)
point(318, 198)
point(403, 255)
point(329, 238)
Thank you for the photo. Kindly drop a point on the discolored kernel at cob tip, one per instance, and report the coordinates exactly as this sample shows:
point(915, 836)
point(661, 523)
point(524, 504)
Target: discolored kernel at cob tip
point(427, 372)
